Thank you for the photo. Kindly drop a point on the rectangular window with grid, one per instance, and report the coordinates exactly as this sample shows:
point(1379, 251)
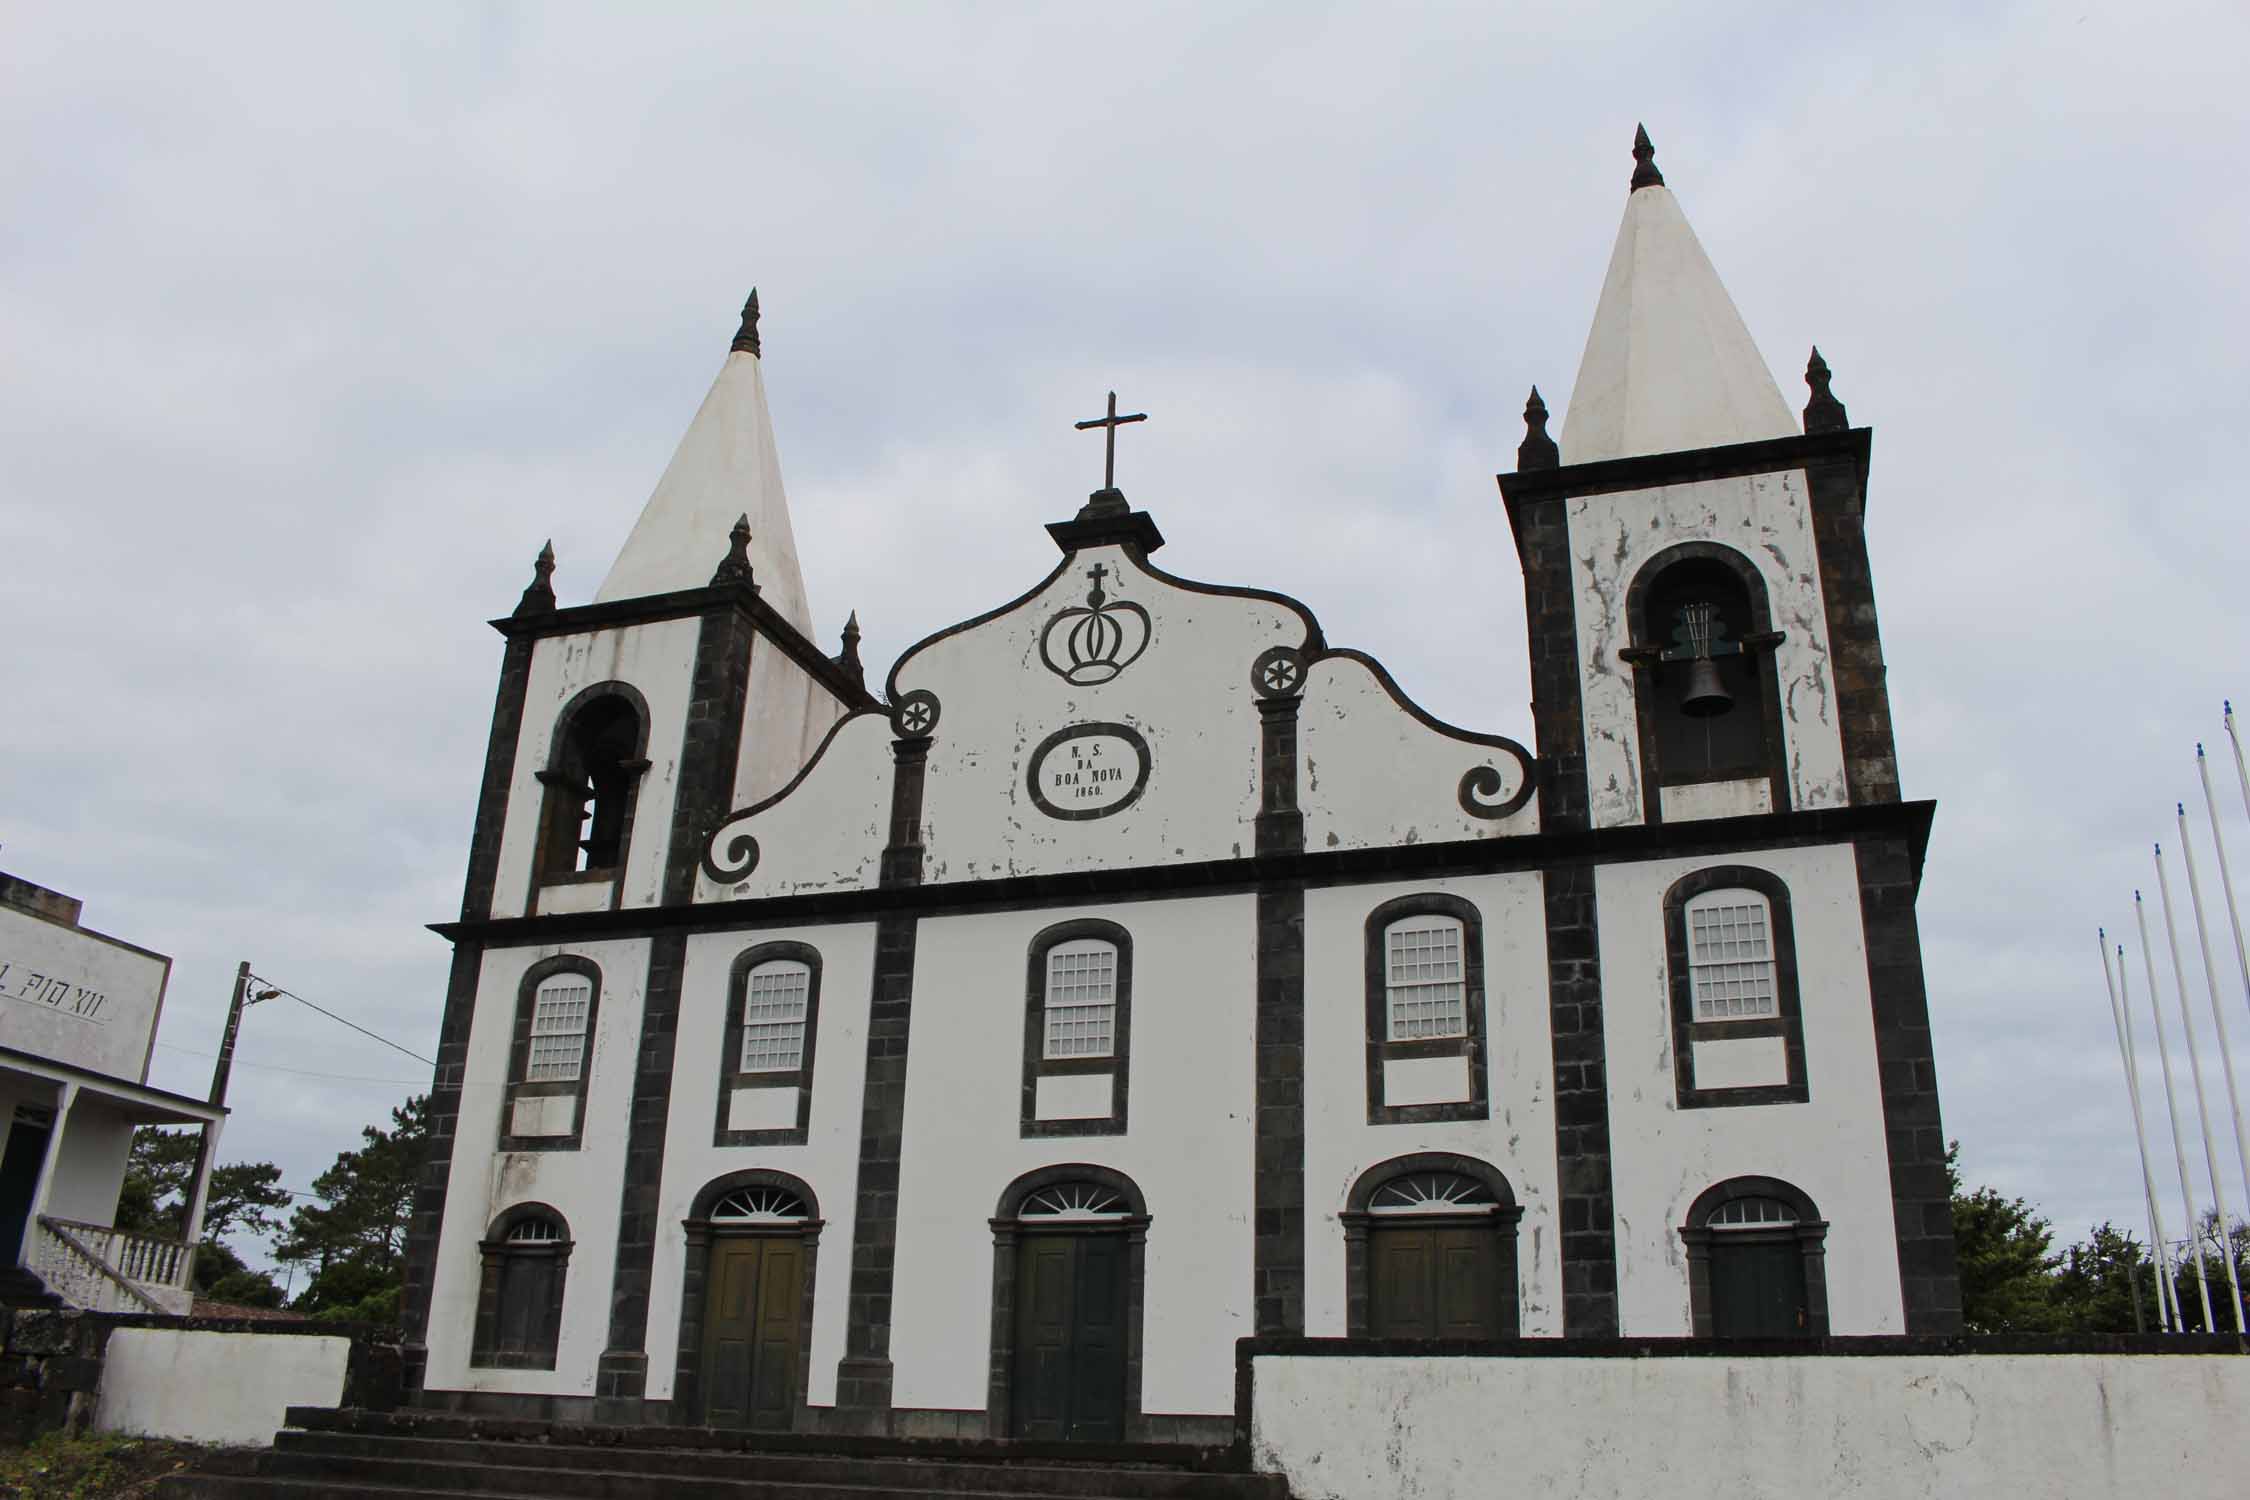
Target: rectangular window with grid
point(1730, 955)
point(1427, 992)
point(1081, 1000)
point(558, 1031)
point(773, 1018)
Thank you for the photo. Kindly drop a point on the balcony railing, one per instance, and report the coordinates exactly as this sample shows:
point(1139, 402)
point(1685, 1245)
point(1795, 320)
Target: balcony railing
point(110, 1270)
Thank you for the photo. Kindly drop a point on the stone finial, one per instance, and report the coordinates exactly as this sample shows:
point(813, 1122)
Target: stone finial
point(735, 566)
point(1823, 413)
point(848, 659)
point(746, 337)
point(1537, 450)
point(539, 595)
point(1644, 161)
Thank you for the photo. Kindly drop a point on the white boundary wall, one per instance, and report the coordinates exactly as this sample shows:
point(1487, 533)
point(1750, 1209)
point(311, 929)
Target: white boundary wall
point(1875, 1426)
point(210, 1387)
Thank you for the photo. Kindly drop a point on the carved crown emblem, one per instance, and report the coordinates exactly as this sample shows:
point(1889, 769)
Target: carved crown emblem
point(1090, 644)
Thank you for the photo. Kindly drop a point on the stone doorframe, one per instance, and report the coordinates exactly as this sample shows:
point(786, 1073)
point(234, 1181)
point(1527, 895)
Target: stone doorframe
point(687, 1369)
point(1008, 1228)
point(1359, 1291)
point(1809, 1233)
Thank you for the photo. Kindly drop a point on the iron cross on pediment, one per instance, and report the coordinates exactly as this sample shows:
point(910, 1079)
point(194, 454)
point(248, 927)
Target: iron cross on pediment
point(1110, 424)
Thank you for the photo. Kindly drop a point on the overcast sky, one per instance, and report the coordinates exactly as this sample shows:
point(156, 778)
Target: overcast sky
point(317, 322)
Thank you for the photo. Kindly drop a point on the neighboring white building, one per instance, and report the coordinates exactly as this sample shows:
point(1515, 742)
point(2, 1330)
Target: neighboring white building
point(78, 1013)
point(1140, 971)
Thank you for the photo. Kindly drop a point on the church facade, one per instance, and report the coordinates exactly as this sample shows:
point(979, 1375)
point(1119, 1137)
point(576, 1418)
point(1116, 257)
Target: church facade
point(1134, 970)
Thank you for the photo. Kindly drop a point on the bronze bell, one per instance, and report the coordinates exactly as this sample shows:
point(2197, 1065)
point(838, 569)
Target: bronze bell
point(1706, 696)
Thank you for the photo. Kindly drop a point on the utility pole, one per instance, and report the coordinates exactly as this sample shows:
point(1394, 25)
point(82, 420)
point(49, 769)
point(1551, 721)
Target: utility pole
point(199, 1186)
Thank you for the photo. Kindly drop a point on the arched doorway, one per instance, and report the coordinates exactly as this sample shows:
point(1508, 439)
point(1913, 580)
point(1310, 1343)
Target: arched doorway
point(1069, 1267)
point(1430, 1251)
point(1757, 1262)
point(746, 1302)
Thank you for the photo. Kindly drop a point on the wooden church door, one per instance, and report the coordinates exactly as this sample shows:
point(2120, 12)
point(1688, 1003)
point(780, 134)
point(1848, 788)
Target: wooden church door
point(752, 1318)
point(1758, 1289)
point(1434, 1281)
point(1069, 1362)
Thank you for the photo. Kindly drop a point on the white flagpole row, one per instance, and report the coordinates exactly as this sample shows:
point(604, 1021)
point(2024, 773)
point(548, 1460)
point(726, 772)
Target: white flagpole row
point(2218, 842)
point(2240, 773)
point(2172, 1108)
point(2218, 1012)
point(2202, 1102)
point(2118, 1016)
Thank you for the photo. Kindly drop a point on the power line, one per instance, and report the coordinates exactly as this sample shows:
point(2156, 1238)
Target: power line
point(268, 989)
point(404, 1083)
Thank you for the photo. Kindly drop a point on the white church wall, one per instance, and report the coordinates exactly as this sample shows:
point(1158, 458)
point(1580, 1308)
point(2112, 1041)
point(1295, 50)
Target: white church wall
point(1831, 1146)
point(828, 1162)
point(581, 1185)
point(207, 1386)
point(1517, 1137)
point(1887, 1427)
point(826, 834)
point(1188, 1145)
point(785, 716)
point(1768, 519)
point(1373, 775)
point(1187, 694)
point(90, 1155)
point(657, 659)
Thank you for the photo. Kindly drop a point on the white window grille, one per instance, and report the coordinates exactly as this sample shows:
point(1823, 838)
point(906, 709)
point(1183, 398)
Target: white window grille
point(758, 1205)
point(1730, 956)
point(1074, 1200)
point(1433, 1193)
point(1754, 1213)
point(535, 1231)
point(773, 1017)
point(1081, 1000)
point(558, 1029)
point(1427, 991)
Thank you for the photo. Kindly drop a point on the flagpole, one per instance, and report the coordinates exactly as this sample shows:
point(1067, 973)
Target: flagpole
point(2117, 1017)
point(2172, 1109)
point(2202, 1103)
point(2211, 983)
point(2241, 774)
point(2226, 876)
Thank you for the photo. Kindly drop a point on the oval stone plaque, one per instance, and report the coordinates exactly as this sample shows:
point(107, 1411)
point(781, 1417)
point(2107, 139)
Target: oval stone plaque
point(1088, 771)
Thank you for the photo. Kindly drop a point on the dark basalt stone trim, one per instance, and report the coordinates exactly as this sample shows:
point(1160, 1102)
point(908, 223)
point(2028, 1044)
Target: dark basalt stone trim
point(1135, 531)
point(1472, 1045)
point(434, 1175)
point(1280, 825)
point(1587, 1203)
point(1913, 1132)
point(581, 619)
point(1550, 609)
point(1277, 1286)
point(519, 1057)
point(1838, 484)
point(1650, 470)
point(1909, 821)
point(863, 1375)
point(1118, 1065)
point(499, 774)
point(1037, 762)
point(730, 1075)
point(621, 1375)
point(1788, 1023)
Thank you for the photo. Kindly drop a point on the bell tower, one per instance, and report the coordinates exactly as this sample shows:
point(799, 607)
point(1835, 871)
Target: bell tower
point(1703, 637)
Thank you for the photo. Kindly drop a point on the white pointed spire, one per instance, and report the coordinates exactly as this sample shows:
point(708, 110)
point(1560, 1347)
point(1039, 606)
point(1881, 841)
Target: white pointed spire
point(1668, 364)
point(725, 467)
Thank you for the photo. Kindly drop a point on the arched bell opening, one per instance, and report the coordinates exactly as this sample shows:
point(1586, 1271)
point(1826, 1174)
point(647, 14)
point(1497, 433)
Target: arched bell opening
point(1706, 689)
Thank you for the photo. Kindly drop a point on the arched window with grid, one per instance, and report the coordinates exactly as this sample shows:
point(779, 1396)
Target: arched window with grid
point(1426, 1055)
point(1737, 1031)
point(551, 1057)
point(1078, 1027)
point(773, 1031)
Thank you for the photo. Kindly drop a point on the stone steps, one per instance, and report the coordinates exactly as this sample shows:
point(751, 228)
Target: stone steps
point(355, 1453)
